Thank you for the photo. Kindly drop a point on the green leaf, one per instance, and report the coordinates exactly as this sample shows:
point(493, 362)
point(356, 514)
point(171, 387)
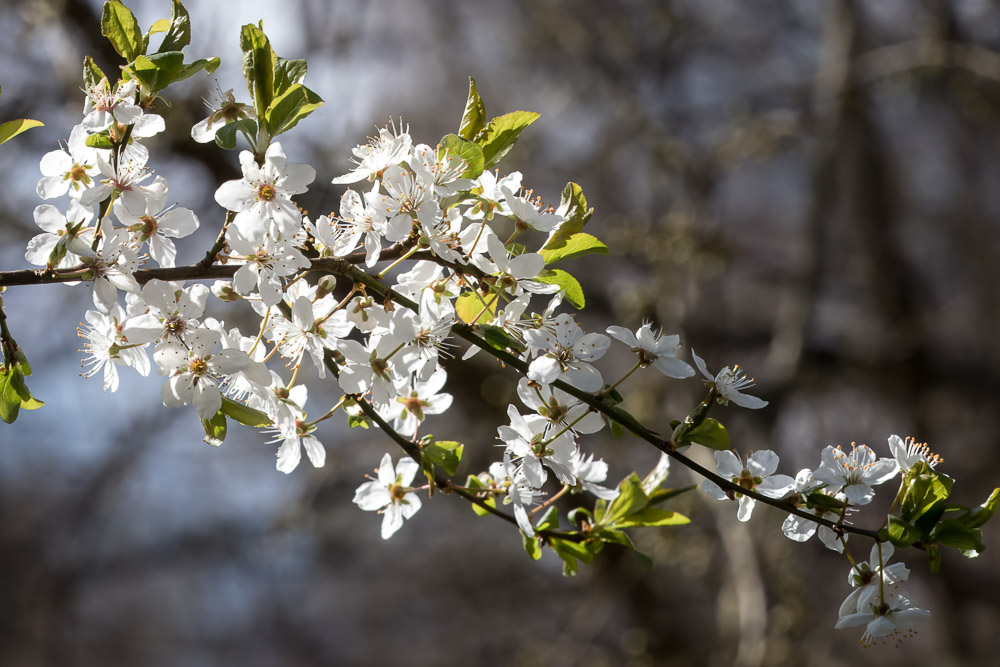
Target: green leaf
point(99, 141)
point(160, 26)
point(225, 138)
point(663, 495)
point(927, 489)
point(474, 482)
point(498, 338)
point(531, 546)
point(444, 453)
point(652, 516)
point(287, 73)
point(978, 516)
point(570, 552)
point(258, 66)
point(953, 533)
point(825, 502)
point(92, 74)
point(244, 414)
point(10, 400)
point(470, 304)
point(901, 533)
point(215, 429)
point(289, 108)
point(467, 150)
point(709, 433)
point(474, 118)
point(12, 128)
point(631, 498)
point(179, 31)
point(358, 420)
point(565, 247)
point(31, 404)
point(118, 24)
point(572, 207)
point(570, 286)
point(499, 136)
point(159, 70)
point(550, 520)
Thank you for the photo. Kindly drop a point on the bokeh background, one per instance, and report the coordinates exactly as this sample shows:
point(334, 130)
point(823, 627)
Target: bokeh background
point(807, 189)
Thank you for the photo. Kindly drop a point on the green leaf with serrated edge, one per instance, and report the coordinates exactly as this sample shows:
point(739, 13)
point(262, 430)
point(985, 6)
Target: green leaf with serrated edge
point(287, 73)
point(978, 516)
point(179, 29)
point(953, 533)
point(573, 209)
point(570, 286)
point(258, 66)
point(709, 433)
point(12, 128)
point(467, 150)
point(92, 74)
point(471, 303)
point(289, 108)
point(577, 245)
point(244, 414)
point(474, 117)
point(444, 453)
point(99, 141)
point(498, 338)
point(631, 498)
point(531, 546)
point(926, 490)
point(499, 136)
point(215, 429)
point(118, 24)
point(652, 516)
point(901, 533)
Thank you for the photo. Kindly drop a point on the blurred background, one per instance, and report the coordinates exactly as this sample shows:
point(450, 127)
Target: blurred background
point(806, 189)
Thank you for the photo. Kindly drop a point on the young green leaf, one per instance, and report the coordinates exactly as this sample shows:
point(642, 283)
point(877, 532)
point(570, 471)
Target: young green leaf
point(244, 414)
point(573, 208)
point(652, 516)
point(258, 66)
point(118, 24)
point(92, 74)
point(444, 453)
point(565, 247)
point(215, 429)
point(709, 433)
point(289, 108)
point(474, 118)
point(497, 138)
point(470, 304)
point(12, 128)
point(570, 286)
point(468, 151)
point(179, 31)
point(287, 73)
point(474, 482)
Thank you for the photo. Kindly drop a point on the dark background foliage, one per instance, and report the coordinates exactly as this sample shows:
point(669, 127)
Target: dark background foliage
point(804, 188)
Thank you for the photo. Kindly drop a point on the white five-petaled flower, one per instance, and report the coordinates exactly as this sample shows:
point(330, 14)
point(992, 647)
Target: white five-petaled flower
point(757, 475)
point(909, 452)
point(869, 579)
point(225, 110)
point(854, 474)
point(654, 348)
point(107, 347)
point(154, 224)
point(891, 619)
point(293, 440)
point(127, 181)
point(69, 170)
point(528, 438)
point(358, 217)
point(518, 273)
point(267, 261)
point(105, 105)
point(730, 383)
point(565, 354)
point(530, 213)
point(391, 494)
point(262, 198)
point(800, 529)
point(192, 373)
point(440, 170)
point(390, 147)
point(66, 238)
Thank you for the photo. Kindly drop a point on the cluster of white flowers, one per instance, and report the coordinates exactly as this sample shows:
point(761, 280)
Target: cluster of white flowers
point(425, 204)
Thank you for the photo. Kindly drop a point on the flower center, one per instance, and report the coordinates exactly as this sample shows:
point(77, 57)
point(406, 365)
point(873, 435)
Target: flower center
point(267, 192)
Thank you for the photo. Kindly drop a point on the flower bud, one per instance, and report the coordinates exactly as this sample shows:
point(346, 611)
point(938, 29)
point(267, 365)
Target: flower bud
point(325, 286)
point(223, 289)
